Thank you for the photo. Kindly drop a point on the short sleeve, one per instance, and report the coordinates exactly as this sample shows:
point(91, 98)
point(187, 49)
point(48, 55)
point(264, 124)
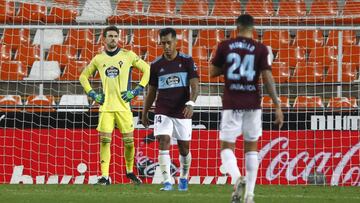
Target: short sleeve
point(218, 60)
point(192, 69)
point(153, 76)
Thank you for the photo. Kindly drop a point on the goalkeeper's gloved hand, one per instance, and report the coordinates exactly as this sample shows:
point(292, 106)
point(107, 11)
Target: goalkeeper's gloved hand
point(127, 96)
point(99, 98)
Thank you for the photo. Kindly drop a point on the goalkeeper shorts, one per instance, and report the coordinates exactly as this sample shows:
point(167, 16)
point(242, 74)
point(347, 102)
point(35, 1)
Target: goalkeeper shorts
point(123, 120)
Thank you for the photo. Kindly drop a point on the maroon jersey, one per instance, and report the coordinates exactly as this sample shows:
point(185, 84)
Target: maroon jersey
point(241, 60)
point(172, 81)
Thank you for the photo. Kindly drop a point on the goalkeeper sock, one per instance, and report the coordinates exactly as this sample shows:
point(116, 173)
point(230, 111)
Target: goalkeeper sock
point(229, 162)
point(185, 162)
point(164, 162)
point(129, 153)
point(105, 155)
point(252, 165)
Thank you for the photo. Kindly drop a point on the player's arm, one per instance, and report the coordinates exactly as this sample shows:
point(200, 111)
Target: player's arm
point(84, 81)
point(194, 92)
point(217, 62)
point(270, 87)
point(149, 100)
point(215, 71)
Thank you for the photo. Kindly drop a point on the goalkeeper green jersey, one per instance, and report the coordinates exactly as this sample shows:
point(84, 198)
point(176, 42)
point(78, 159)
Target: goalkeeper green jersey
point(115, 70)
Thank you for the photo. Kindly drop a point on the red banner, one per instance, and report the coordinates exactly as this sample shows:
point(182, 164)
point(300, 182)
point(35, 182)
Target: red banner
point(67, 156)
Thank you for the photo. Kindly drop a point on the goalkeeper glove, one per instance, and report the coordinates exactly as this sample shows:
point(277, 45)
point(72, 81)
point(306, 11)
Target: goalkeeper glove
point(99, 98)
point(127, 96)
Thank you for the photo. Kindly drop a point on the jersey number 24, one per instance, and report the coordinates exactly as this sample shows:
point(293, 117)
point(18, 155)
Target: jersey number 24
point(239, 69)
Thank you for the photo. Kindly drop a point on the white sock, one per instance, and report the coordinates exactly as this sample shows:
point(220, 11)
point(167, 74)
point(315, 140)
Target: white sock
point(185, 162)
point(252, 165)
point(229, 162)
point(164, 162)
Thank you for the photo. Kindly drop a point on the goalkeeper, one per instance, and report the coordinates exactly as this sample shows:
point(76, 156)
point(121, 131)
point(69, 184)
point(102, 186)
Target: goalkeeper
point(114, 65)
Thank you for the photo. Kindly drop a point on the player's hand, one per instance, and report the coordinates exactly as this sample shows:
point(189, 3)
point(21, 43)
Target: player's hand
point(145, 120)
point(279, 118)
point(188, 111)
point(99, 98)
point(127, 96)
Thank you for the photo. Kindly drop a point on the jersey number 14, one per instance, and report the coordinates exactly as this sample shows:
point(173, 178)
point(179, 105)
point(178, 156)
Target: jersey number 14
point(239, 69)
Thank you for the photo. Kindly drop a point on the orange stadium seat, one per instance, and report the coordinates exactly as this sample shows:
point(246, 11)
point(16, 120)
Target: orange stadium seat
point(260, 8)
point(16, 37)
point(30, 12)
point(204, 73)
point(292, 8)
point(351, 54)
point(79, 38)
point(88, 52)
point(137, 102)
point(342, 102)
point(13, 70)
point(135, 74)
point(145, 38)
point(308, 102)
point(127, 12)
point(7, 10)
point(61, 15)
point(308, 72)
point(40, 103)
point(349, 37)
point(194, 8)
point(62, 53)
point(281, 72)
point(153, 53)
point(276, 39)
point(162, 7)
point(209, 38)
point(10, 102)
point(5, 53)
point(267, 102)
point(309, 39)
point(73, 70)
point(351, 12)
point(226, 8)
point(292, 55)
point(323, 11)
point(67, 2)
point(325, 55)
point(183, 40)
point(28, 54)
point(122, 38)
point(199, 53)
point(349, 73)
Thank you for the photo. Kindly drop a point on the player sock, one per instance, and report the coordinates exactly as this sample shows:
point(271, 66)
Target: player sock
point(185, 162)
point(230, 164)
point(164, 162)
point(105, 155)
point(252, 164)
point(129, 153)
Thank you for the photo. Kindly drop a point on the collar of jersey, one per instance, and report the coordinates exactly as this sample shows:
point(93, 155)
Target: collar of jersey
point(109, 53)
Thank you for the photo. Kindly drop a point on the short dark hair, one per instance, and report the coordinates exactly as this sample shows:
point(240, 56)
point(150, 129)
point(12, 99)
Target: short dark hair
point(166, 31)
point(110, 28)
point(245, 21)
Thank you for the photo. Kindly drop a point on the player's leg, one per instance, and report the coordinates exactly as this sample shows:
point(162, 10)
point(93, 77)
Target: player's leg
point(182, 132)
point(163, 130)
point(105, 127)
point(124, 121)
point(252, 131)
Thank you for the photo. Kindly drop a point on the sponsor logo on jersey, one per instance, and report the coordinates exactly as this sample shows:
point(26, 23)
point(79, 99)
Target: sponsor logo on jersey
point(172, 80)
point(112, 72)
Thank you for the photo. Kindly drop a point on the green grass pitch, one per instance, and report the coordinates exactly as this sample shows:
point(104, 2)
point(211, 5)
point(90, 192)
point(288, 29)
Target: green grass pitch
point(150, 193)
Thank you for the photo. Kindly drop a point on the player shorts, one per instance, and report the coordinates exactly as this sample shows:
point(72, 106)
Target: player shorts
point(241, 122)
point(177, 128)
point(123, 120)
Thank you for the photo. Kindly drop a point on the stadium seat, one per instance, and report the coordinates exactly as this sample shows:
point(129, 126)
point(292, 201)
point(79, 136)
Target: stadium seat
point(137, 102)
point(292, 8)
point(73, 103)
point(349, 37)
point(30, 13)
point(61, 15)
point(226, 8)
point(204, 73)
point(73, 3)
point(10, 103)
point(323, 11)
point(308, 102)
point(87, 53)
point(153, 53)
point(167, 7)
point(62, 53)
point(5, 53)
point(325, 55)
point(40, 103)
point(145, 38)
point(16, 37)
point(183, 40)
point(51, 36)
point(260, 8)
point(351, 13)
point(28, 54)
point(349, 73)
point(194, 8)
point(281, 72)
point(309, 39)
point(199, 53)
point(127, 12)
point(267, 102)
point(291, 55)
point(351, 54)
point(7, 10)
point(95, 11)
point(276, 39)
point(79, 38)
point(208, 101)
point(73, 70)
point(342, 102)
point(308, 73)
point(13, 70)
point(209, 38)
point(123, 41)
point(50, 71)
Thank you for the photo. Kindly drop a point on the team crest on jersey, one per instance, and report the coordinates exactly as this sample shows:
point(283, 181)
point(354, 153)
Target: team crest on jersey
point(173, 80)
point(112, 72)
point(121, 63)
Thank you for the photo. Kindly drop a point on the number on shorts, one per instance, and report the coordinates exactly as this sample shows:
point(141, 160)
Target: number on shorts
point(158, 119)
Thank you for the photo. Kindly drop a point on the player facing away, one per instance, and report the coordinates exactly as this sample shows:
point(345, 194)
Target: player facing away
point(172, 75)
point(242, 60)
point(114, 65)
